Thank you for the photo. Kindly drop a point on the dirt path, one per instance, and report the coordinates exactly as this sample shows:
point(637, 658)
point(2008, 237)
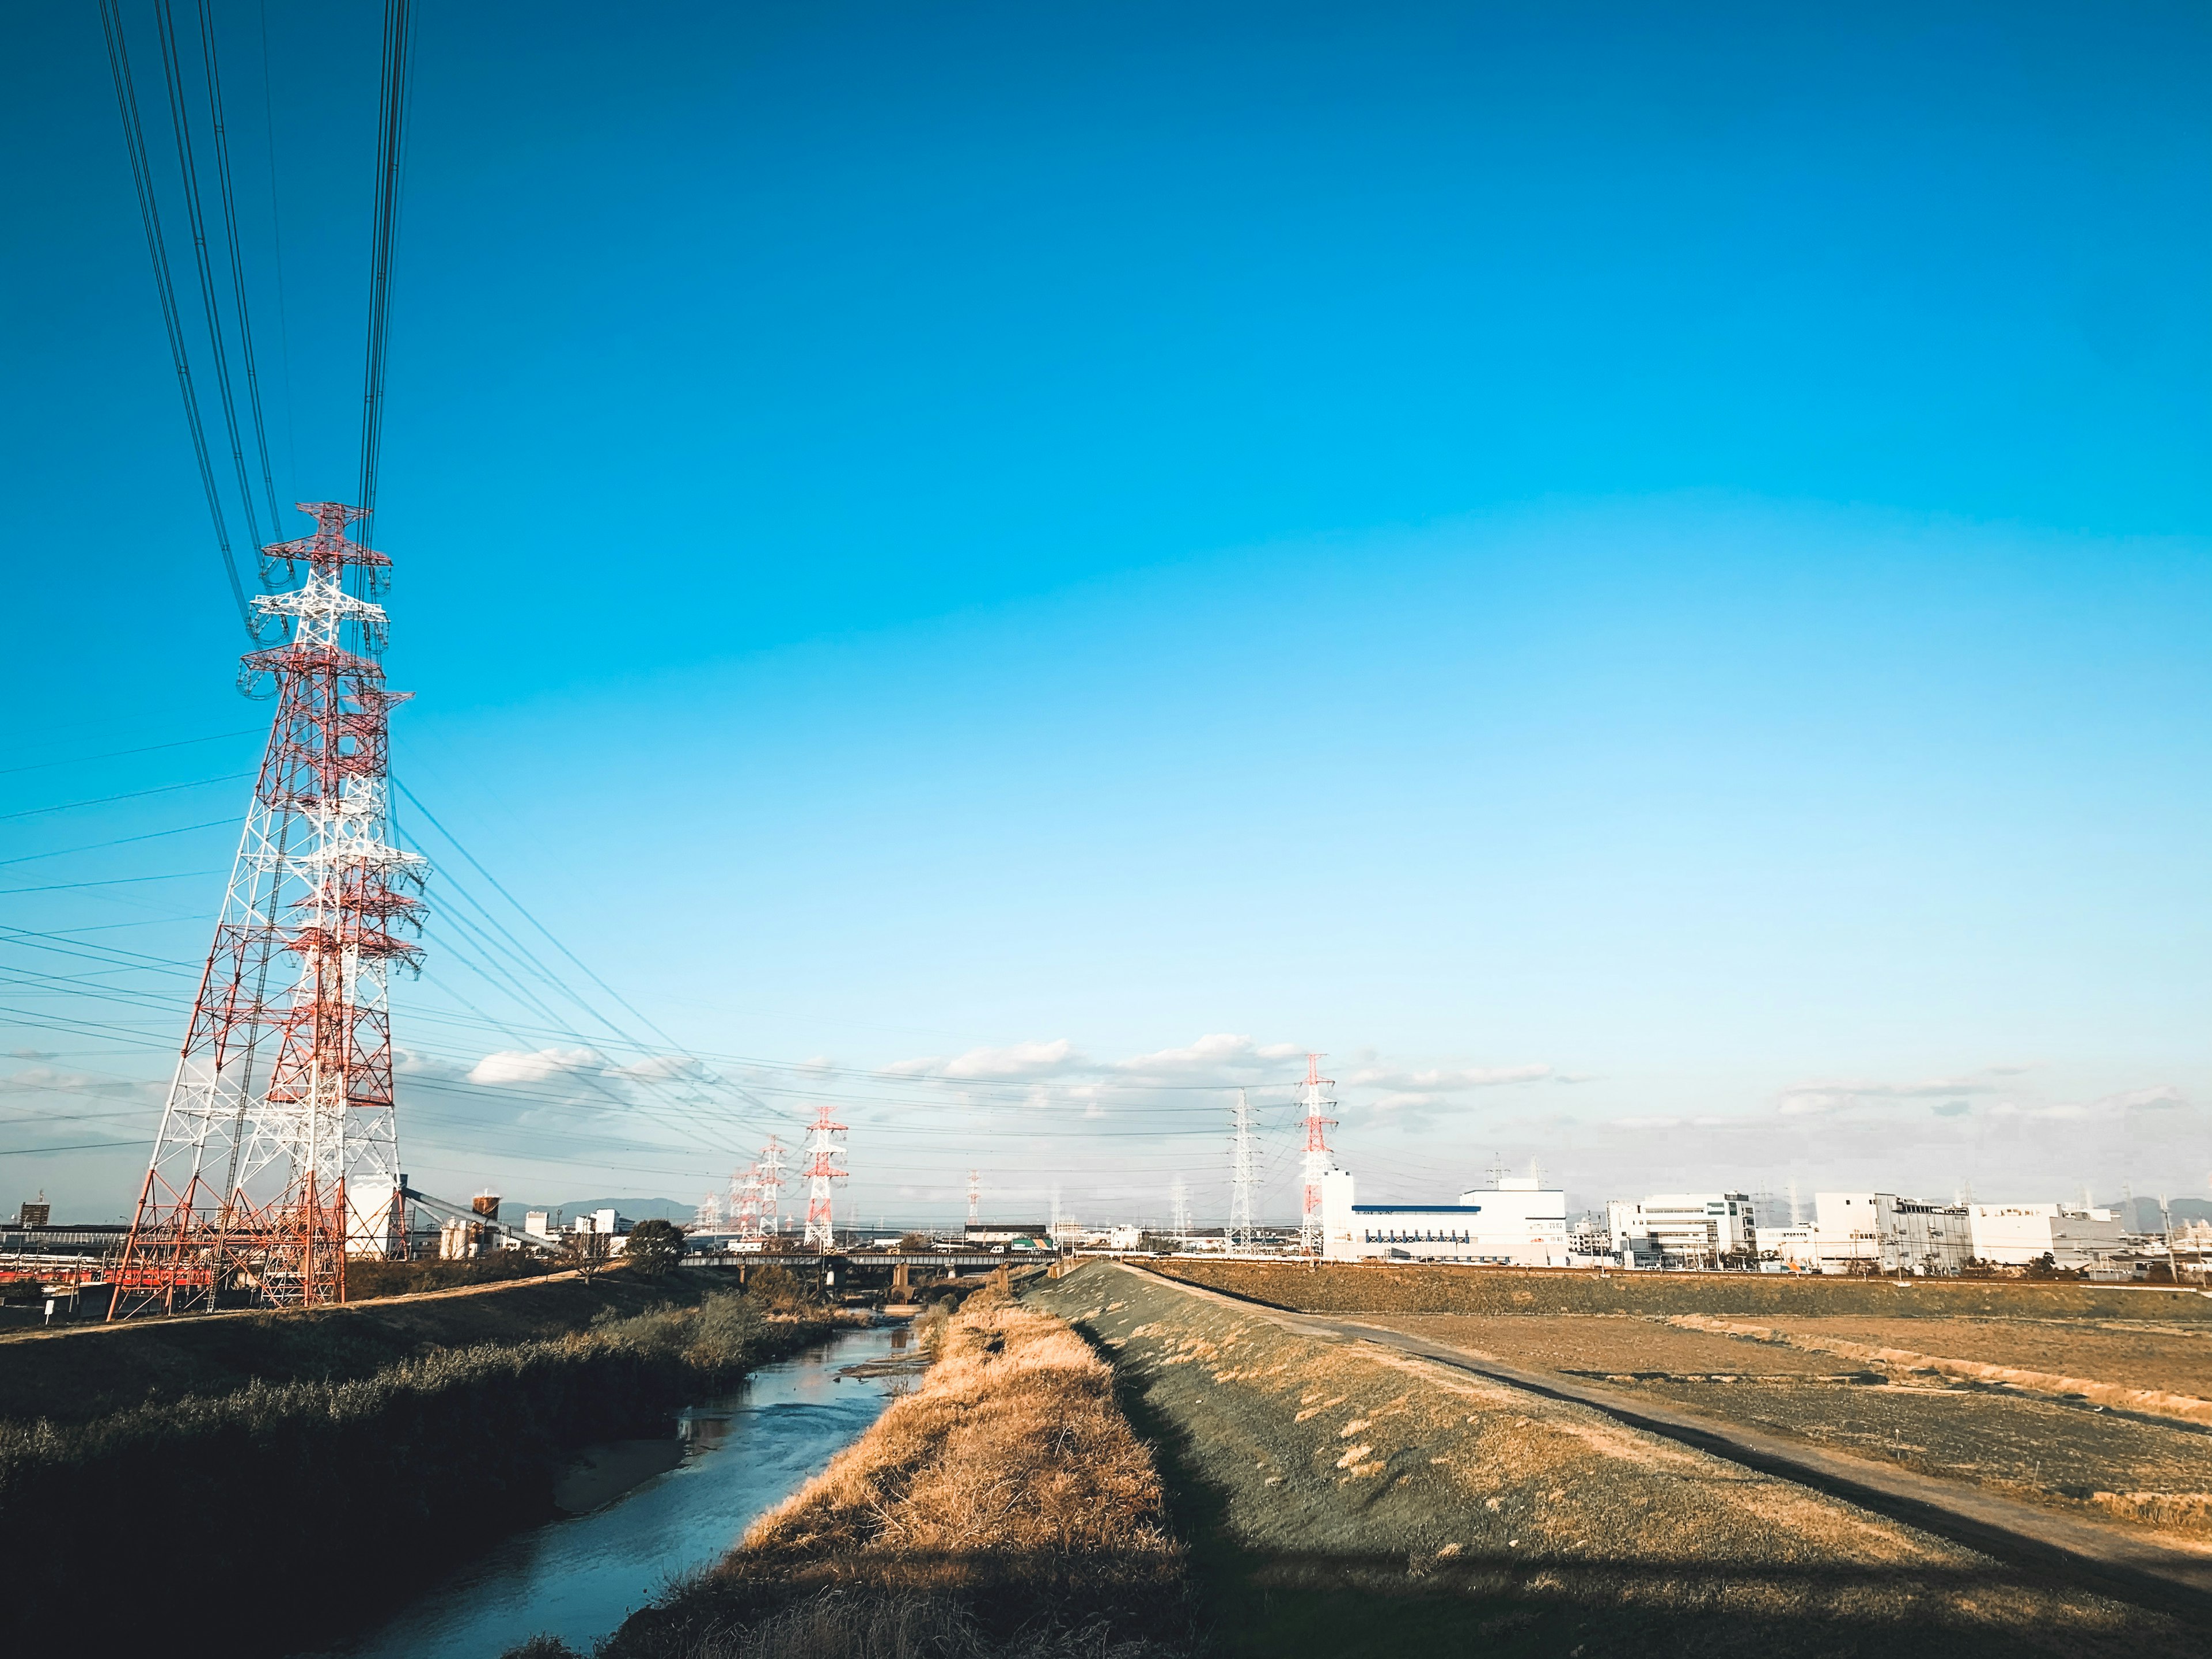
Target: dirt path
point(2118, 1557)
point(1357, 1490)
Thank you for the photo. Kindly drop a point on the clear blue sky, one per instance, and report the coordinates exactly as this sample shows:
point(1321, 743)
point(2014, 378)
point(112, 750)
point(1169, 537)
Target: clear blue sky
point(1665, 548)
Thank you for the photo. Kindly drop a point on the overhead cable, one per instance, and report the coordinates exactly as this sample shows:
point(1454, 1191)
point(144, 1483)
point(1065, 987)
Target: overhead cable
point(237, 265)
point(134, 140)
point(180, 122)
point(390, 156)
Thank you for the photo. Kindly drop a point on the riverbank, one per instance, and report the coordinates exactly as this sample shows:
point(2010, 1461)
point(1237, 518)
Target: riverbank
point(1005, 1507)
point(390, 1466)
point(1344, 1499)
point(76, 1374)
point(735, 1455)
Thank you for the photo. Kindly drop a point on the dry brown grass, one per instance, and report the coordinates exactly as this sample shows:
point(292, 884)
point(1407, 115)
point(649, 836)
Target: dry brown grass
point(1013, 1445)
point(1005, 1507)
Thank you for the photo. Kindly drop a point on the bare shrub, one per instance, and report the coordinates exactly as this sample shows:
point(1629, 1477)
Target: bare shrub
point(2191, 1510)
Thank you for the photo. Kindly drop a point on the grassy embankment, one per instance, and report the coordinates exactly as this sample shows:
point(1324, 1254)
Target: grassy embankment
point(2083, 1399)
point(1003, 1509)
point(142, 1465)
point(1344, 1499)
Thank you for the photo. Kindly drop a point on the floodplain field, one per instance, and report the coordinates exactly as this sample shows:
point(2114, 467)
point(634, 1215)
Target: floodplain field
point(2035, 1396)
point(1344, 1496)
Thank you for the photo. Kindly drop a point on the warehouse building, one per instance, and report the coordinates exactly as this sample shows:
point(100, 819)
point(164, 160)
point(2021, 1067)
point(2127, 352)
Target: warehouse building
point(2072, 1236)
point(1882, 1233)
point(1683, 1230)
point(1516, 1223)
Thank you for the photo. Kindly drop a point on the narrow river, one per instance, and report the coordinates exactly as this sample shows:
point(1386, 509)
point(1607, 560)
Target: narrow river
point(578, 1577)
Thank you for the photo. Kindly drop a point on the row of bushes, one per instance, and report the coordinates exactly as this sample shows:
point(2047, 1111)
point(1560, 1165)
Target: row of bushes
point(275, 1484)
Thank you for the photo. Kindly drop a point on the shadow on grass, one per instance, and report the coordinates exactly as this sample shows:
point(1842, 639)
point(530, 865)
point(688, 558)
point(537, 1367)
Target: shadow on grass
point(1288, 1603)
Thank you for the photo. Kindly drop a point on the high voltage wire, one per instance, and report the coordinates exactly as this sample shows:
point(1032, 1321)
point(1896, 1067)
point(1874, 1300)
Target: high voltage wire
point(128, 794)
point(134, 139)
point(179, 121)
point(119, 754)
point(237, 262)
point(391, 159)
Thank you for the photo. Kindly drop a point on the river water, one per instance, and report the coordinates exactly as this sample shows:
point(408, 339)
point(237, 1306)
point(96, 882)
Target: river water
point(580, 1576)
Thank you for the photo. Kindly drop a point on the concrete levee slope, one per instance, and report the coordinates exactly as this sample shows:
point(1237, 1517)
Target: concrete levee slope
point(1348, 1498)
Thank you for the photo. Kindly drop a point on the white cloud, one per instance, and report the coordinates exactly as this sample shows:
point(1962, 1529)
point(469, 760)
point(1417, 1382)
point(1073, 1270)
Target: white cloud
point(2163, 1097)
point(1020, 1062)
point(514, 1066)
point(1810, 1099)
point(653, 1068)
point(46, 1079)
point(1448, 1081)
point(1214, 1055)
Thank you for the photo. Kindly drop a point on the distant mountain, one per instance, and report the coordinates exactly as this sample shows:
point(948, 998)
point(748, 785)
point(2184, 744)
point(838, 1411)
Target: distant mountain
point(636, 1209)
point(2143, 1215)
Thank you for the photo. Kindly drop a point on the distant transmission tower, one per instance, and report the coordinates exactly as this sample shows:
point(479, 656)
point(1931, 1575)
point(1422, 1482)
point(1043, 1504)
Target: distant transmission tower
point(768, 1174)
point(709, 1217)
point(1316, 1160)
point(1240, 1176)
point(974, 1197)
point(745, 1203)
point(823, 1154)
point(278, 1154)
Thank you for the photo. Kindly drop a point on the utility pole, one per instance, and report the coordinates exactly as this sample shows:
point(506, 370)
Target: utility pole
point(1240, 1176)
point(278, 1153)
point(1318, 1125)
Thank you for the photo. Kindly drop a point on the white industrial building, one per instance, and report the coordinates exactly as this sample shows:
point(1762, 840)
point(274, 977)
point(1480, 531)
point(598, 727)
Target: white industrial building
point(2072, 1236)
point(1882, 1233)
point(1683, 1230)
point(1518, 1223)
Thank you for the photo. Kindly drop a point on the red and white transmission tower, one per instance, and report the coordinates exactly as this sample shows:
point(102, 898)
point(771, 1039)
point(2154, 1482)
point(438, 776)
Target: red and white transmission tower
point(974, 1197)
point(278, 1154)
point(1316, 1160)
point(823, 1156)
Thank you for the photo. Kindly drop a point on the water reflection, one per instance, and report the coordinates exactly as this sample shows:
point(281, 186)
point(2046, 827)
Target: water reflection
point(580, 1576)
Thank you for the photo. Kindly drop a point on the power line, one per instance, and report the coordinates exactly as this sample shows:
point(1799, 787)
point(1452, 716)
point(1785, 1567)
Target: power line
point(237, 264)
point(180, 122)
point(134, 140)
point(391, 151)
point(118, 754)
point(128, 794)
point(120, 840)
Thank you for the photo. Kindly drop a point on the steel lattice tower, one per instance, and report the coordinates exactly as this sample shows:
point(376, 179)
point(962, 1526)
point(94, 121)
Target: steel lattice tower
point(975, 1196)
point(1316, 1159)
point(1240, 1176)
point(769, 1170)
point(823, 1156)
point(278, 1154)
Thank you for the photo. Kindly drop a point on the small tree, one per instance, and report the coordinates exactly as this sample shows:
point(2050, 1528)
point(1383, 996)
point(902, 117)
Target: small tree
point(654, 1249)
point(587, 1253)
point(913, 1243)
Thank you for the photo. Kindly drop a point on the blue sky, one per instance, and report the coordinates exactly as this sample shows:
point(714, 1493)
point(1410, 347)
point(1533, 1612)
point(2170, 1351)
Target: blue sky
point(1639, 580)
